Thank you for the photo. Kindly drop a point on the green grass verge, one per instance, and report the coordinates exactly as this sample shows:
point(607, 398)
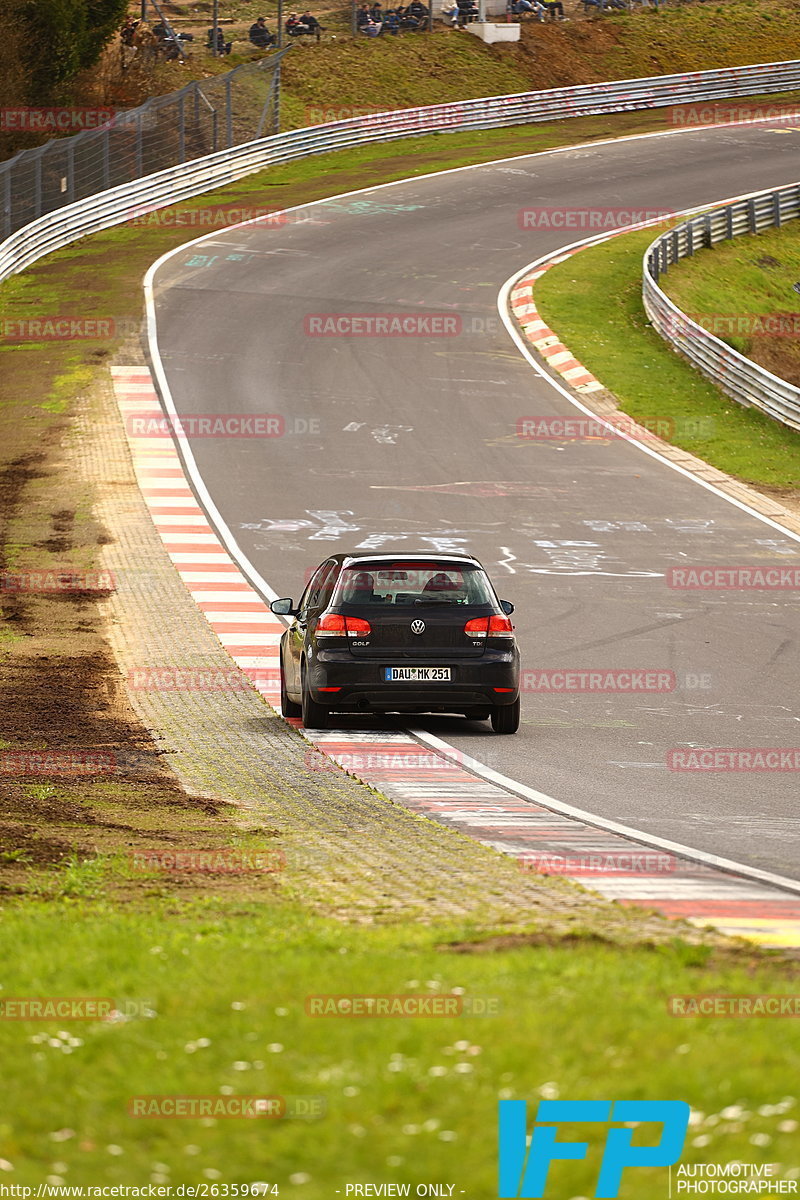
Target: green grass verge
point(407, 1100)
point(593, 301)
point(748, 277)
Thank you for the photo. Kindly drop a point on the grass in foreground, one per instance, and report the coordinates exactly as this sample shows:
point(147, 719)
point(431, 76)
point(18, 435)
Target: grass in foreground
point(215, 1003)
point(594, 301)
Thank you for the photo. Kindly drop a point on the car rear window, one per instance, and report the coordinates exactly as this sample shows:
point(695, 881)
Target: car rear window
point(414, 583)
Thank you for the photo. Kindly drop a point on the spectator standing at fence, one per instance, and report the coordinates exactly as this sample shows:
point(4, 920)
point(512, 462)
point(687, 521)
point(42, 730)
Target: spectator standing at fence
point(259, 35)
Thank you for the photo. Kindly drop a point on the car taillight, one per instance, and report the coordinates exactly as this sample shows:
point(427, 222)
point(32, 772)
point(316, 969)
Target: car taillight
point(496, 626)
point(336, 625)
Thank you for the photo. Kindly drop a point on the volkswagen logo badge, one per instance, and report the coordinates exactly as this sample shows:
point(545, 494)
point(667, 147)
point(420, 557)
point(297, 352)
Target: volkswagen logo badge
point(417, 626)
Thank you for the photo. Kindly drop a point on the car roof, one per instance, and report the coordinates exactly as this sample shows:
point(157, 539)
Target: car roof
point(403, 555)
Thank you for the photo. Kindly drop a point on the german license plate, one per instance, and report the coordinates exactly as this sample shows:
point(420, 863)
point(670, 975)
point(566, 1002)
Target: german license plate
point(416, 674)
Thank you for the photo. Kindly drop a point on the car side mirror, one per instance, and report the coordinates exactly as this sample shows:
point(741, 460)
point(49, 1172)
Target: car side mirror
point(507, 607)
point(284, 607)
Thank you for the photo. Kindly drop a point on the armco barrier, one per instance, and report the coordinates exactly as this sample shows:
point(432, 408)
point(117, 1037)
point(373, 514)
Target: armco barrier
point(116, 205)
point(739, 377)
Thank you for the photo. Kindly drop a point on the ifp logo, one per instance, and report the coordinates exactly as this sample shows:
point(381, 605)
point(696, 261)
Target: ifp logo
point(523, 1170)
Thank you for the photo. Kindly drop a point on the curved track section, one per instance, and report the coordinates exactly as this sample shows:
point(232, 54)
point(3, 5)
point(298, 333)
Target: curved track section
point(412, 441)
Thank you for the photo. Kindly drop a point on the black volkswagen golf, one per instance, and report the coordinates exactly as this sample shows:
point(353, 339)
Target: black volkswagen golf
point(400, 633)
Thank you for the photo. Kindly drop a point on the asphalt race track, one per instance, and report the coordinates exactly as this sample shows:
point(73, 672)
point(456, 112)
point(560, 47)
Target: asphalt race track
point(410, 442)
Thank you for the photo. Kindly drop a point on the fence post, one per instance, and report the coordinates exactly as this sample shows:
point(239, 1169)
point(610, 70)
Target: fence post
point(7, 202)
point(275, 88)
point(139, 156)
point(70, 172)
point(181, 128)
point(228, 113)
point(37, 186)
point(106, 158)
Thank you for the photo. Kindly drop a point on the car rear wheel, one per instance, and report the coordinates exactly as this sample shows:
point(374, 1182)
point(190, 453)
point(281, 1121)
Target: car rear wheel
point(288, 707)
point(505, 717)
point(315, 716)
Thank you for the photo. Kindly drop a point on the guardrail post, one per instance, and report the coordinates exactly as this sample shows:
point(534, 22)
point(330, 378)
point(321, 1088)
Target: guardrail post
point(729, 220)
point(707, 231)
point(689, 239)
point(228, 114)
point(751, 213)
point(776, 209)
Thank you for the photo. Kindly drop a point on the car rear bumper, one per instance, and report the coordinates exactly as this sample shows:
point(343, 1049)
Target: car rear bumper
point(492, 679)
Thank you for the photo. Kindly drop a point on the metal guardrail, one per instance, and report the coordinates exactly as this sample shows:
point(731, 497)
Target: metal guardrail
point(117, 205)
point(749, 384)
point(205, 116)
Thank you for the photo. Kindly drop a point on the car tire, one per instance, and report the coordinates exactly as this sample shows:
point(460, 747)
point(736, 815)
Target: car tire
point(315, 716)
point(288, 707)
point(505, 717)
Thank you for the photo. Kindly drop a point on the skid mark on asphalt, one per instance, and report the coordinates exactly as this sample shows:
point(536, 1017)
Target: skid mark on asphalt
point(439, 786)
